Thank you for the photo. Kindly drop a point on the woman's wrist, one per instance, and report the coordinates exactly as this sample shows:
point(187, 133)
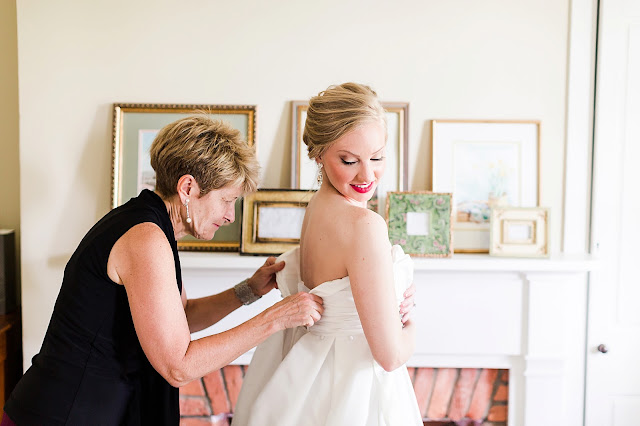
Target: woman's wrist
point(269, 321)
point(244, 292)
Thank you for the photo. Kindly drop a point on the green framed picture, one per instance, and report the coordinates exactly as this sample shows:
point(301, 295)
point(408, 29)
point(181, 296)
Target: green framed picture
point(420, 222)
point(135, 127)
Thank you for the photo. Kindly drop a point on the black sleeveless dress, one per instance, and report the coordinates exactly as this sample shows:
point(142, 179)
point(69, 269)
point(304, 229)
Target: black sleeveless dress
point(91, 369)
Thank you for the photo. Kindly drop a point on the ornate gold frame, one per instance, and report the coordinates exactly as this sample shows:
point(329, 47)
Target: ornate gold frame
point(537, 218)
point(250, 242)
point(158, 115)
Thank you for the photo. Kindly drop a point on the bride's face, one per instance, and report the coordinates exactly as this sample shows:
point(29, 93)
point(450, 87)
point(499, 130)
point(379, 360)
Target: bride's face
point(355, 162)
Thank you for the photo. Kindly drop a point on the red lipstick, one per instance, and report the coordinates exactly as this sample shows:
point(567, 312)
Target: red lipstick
point(362, 189)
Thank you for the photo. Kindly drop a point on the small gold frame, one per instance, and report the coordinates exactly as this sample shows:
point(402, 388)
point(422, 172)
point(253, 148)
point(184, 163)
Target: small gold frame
point(519, 232)
point(267, 227)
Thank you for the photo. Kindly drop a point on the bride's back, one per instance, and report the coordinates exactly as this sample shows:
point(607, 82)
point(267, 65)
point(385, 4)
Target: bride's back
point(325, 237)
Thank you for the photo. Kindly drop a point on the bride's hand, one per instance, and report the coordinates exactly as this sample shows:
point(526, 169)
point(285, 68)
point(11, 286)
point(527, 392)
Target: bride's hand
point(408, 303)
point(298, 310)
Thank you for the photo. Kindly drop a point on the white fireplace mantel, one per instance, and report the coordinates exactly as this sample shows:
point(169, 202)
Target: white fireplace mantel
point(473, 310)
point(459, 261)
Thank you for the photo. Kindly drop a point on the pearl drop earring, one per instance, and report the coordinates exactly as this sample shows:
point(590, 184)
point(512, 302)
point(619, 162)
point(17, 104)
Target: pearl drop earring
point(186, 204)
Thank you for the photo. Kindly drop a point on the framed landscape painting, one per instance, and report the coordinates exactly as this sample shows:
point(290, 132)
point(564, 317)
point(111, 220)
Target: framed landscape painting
point(134, 128)
point(484, 164)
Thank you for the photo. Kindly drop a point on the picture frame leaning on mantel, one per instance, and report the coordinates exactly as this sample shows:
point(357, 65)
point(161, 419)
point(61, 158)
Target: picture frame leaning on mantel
point(420, 222)
point(519, 232)
point(304, 171)
point(272, 220)
point(484, 164)
point(134, 128)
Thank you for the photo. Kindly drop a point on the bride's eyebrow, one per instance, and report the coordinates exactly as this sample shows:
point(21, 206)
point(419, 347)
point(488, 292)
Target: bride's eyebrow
point(357, 156)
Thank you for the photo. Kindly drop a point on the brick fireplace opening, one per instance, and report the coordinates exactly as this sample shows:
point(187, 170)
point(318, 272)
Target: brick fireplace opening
point(446, 396)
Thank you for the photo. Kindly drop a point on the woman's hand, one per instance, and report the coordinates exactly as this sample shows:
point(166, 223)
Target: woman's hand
point(408, 303)
point(298, 310)
point(264, 279)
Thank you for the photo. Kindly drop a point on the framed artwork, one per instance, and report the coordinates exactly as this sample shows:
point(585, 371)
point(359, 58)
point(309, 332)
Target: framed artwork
point(304, 171)
point(484, 164)
point(519, 232)
point(420, 222)
point(272, 220)
point(134, 128)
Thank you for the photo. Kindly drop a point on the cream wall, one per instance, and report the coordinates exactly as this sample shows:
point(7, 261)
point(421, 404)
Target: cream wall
point(458, 59)
point(9, 141)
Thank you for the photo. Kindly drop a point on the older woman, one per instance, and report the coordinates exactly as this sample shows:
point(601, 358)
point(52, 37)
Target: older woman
point(118, 344)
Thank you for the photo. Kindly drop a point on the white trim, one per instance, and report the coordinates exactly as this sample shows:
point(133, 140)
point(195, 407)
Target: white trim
point(459, 263)
point(579, 125)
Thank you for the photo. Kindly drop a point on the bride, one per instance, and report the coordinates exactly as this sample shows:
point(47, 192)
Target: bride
point(348, 368)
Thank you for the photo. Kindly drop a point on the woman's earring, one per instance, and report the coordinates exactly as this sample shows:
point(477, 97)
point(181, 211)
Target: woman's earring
point(186, 204)
point(319, 179)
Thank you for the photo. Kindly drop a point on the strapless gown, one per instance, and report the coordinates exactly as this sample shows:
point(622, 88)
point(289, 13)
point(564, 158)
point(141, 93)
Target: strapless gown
point(326, 374)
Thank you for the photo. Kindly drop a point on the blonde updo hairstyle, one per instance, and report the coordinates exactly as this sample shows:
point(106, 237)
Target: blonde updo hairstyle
point(337, 111)
point(211, 151)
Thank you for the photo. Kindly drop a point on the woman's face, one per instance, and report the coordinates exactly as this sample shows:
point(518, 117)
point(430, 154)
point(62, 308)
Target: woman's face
point(355, 162)
point(213, 210)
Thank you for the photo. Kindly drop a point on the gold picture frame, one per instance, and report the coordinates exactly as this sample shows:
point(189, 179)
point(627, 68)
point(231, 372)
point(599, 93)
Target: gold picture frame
point(304, 170)
point(134, 128)
point(300, 161)
point(519, 232)
point(272, 220)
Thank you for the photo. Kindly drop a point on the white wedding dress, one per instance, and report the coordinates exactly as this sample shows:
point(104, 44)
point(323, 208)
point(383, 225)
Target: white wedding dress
point(326, 375)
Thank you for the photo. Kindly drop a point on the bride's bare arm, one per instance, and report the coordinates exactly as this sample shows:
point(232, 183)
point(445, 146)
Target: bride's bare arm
point(371, 274)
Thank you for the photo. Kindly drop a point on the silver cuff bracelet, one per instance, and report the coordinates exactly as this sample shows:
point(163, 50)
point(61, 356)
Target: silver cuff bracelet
point(244, 293)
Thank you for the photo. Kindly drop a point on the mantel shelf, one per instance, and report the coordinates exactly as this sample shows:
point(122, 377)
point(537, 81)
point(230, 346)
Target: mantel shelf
point(457, 263)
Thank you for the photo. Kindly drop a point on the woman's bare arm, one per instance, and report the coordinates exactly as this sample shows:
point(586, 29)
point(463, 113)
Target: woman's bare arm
point(143, 262)
point(206, 311)
point(370, 269)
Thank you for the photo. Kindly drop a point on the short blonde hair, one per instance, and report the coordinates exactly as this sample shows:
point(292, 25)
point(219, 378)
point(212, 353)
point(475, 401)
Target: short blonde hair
point(338, 110)
point(211, 151)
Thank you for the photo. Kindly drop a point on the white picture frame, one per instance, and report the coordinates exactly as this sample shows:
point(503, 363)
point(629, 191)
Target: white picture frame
point(484, 164)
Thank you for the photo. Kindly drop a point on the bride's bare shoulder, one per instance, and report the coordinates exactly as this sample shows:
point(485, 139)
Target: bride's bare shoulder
point(365, 224)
